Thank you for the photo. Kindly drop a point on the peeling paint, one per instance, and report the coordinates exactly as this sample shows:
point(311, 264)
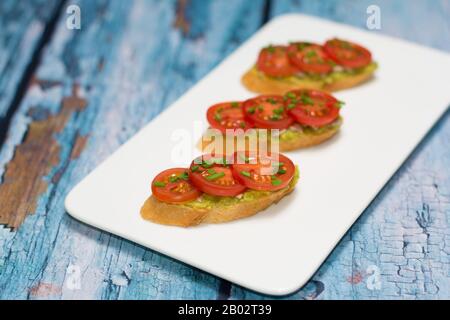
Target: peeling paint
point(23, 180)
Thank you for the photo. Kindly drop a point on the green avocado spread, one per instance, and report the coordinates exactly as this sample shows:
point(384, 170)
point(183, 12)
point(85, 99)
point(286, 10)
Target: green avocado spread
point(327, 78)
point(291, 134)
point(207, 201)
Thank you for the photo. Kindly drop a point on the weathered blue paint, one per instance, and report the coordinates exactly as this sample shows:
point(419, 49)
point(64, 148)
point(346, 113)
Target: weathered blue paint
point(131, 59)
point(22, 24)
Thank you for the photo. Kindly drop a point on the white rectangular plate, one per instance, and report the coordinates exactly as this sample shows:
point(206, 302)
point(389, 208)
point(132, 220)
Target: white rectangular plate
point(278, 250)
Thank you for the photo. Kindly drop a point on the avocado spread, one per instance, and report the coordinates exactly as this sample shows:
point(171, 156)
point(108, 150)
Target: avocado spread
point(326, 78)
point(206, 201)
point(291, 134)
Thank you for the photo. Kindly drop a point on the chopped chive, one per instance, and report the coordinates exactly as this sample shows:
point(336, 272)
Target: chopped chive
point(290, 95)
point(215, 176)
point(211, 171)
point(251, 110)
point(235, 104)
point(246, 174)
point(207, 164)
point(311, 54)
point(340, 103)
point(291, 106)
point(173, 178)
point(159, 184)
point(194, 168)
point(281, 171)
point(184, 176)
point(271, 100)
point(306, 100)
point(260, 108)
point(275, 181)
point(278, 111)
point(275, 117)
point(302, 45)
point(217, 116)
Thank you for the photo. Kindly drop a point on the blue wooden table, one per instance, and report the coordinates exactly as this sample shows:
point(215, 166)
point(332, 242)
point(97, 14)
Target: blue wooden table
point(70, 97)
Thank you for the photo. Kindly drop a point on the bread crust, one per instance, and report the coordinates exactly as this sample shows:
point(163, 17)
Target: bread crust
point(306, 140)
point(257, 82)
point(183, 216)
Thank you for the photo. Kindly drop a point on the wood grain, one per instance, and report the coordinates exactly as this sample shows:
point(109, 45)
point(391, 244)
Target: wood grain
point(139, 64)
point(33, 159)
point(132, 59)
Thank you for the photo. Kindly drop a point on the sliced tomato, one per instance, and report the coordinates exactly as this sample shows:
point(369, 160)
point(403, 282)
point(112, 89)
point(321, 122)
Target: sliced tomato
point(212, 175)
point(274, 61)
point(269, 172)
point(310, 57)
point(267, 112)
point(227, 115)
point(174, 186)
point(312, 107)
point(348, 54)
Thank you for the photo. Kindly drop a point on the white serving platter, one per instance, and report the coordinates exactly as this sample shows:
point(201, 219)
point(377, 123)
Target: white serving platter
point(278, 250)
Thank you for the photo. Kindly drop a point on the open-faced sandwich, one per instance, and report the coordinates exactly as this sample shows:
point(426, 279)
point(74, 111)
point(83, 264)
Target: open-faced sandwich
point(302, 118)
point(336, 65)
point(217, 189)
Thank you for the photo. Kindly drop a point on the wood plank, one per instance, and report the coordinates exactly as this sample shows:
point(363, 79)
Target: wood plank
point(402, 241)
point(128, 62)
point(22, 24)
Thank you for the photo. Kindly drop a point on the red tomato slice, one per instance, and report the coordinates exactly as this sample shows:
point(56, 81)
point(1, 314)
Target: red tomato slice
point(274, 61)
point(267, 112)
point(269, 173)
point(227, 115)
point(174, 186)
point(347, 54)
point(312, 107)
point(310, 57)
point(209, 174)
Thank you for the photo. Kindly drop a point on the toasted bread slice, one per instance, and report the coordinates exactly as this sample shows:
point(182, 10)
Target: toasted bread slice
point(289, 140)
point(256, 81)
point(211, 209)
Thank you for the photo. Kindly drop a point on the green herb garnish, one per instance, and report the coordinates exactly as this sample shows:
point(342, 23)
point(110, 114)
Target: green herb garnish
point(275, 181)
point(340, 103)
point(184, 176)
point(311, 54)
point(215, 176)
point(291, 106)
point(290, 95)
point(207, 164)
point(194, 168)
point(235, 104)
point(278, 111)
point(246, 174)
point(159, 184)
point(275, 117)
point(306, 99)
point(251, 110)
